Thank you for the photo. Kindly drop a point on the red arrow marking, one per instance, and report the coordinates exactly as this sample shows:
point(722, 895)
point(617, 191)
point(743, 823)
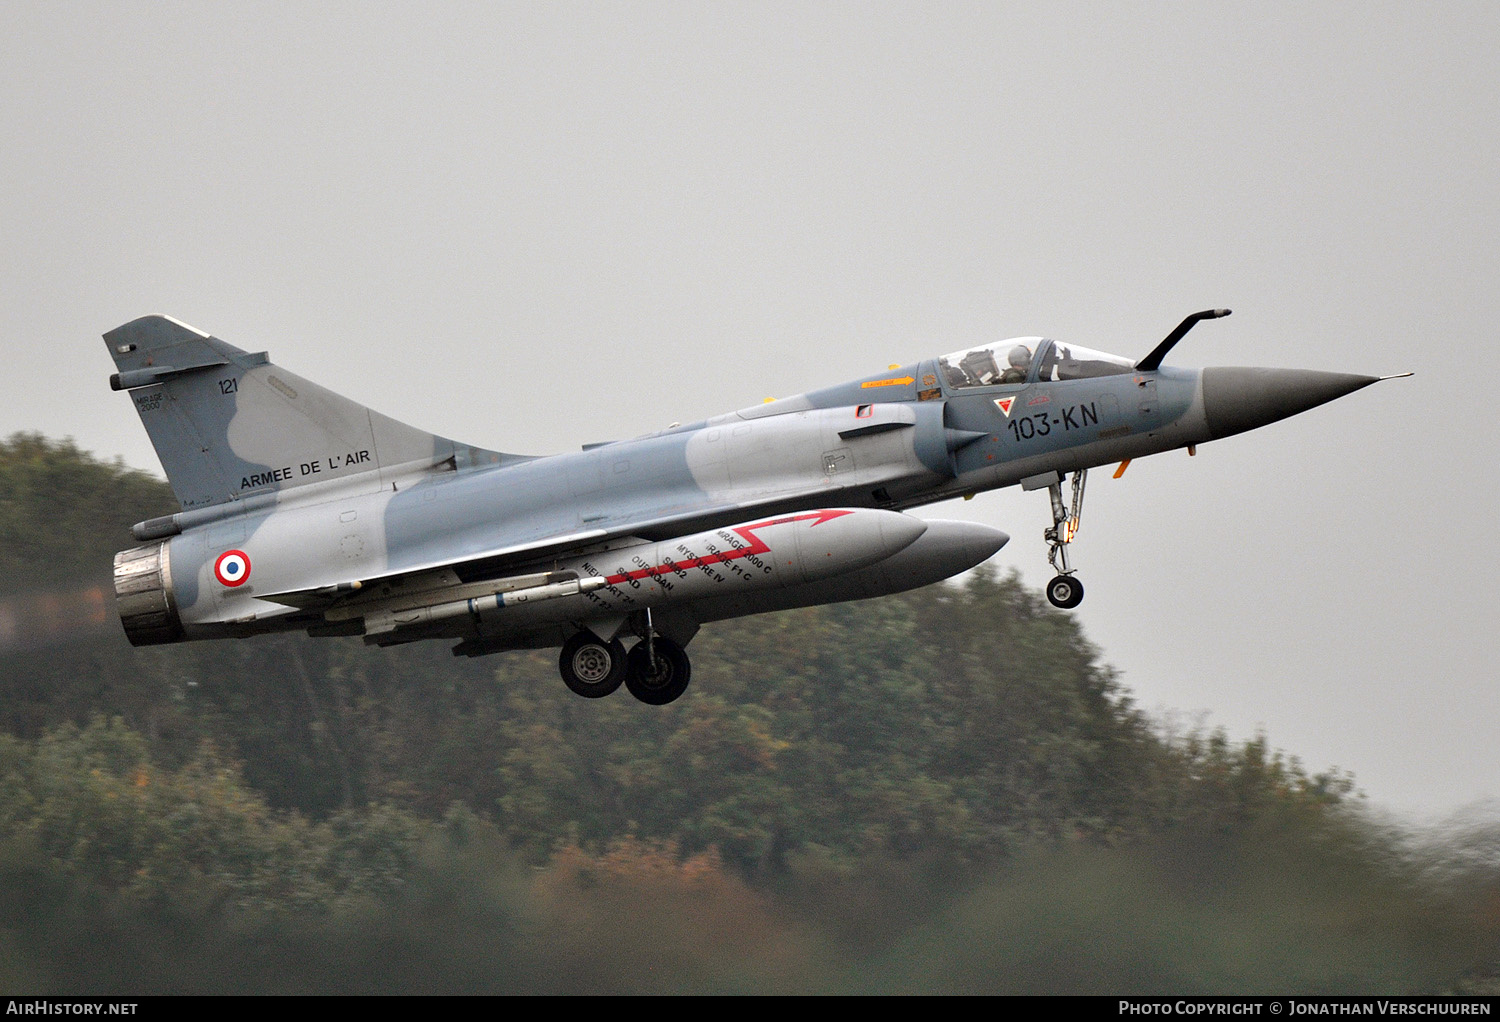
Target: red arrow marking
point(757, 546)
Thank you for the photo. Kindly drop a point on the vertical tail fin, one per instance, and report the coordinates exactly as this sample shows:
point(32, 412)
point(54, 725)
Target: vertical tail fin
point(227, 423)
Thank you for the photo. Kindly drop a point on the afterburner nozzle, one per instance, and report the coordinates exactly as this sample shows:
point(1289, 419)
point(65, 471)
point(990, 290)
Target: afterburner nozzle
point(1237, 399)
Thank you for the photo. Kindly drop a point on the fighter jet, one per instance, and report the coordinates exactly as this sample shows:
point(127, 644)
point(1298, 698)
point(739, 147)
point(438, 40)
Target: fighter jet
point(305, 511)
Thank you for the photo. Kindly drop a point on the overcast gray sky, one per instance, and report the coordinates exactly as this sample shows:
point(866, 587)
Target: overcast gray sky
point(534, 225)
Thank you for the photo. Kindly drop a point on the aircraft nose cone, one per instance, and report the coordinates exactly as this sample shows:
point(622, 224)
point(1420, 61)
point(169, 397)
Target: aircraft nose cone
point(1235, 399)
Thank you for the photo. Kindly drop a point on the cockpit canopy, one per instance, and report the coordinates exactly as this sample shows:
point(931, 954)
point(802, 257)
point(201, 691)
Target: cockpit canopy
point(1022, 359)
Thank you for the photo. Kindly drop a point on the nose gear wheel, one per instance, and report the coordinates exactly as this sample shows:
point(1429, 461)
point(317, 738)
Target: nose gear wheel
point(1064, 591)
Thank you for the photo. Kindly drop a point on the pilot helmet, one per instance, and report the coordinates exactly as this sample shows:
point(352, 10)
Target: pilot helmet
point(1020, 356)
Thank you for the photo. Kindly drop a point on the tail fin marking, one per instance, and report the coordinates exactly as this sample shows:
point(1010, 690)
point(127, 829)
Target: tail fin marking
point(228, 423)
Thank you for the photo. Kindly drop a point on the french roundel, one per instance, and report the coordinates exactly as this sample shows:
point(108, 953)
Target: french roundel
point(232, 568)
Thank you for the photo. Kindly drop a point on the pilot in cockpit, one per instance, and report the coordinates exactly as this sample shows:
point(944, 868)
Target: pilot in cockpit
point(1020, 361)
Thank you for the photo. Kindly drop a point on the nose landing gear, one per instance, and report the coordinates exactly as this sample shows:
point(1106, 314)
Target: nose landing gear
point(1064, 591)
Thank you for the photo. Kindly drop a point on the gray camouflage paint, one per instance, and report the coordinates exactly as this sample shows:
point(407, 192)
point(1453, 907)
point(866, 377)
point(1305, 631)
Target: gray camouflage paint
point(321, 492)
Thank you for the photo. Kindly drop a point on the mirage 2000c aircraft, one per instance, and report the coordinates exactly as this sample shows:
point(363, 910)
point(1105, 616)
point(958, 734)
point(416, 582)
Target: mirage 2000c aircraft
point(303, 510)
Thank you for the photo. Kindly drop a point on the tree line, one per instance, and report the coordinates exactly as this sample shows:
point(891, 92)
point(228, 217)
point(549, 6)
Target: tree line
point(841, 780)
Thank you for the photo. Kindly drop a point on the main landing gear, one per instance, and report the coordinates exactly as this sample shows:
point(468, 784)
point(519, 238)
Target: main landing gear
point(656, 670)
point(590, 666)
point(1064, 591)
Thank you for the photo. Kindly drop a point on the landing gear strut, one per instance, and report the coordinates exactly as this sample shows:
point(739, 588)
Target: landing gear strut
point(657, 670)
point(1064, 591)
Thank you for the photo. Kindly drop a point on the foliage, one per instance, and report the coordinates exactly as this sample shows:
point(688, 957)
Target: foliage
point(63, 514)
point(941, 791)
point(1278, 911)
point(1286, 913)
point(91, 802)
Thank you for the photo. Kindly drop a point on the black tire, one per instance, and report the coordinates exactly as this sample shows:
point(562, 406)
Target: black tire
point(1065, 592)
point(662, 683)
point(590, 666)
